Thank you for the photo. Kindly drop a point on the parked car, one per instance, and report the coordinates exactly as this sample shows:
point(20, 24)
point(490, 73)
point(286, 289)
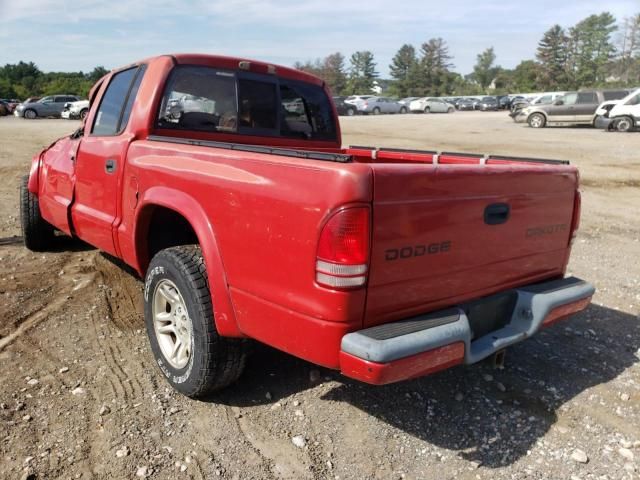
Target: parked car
point(378, 105)
point(620, 115)
point(75, 110)
point(345, 108)
point(466, 104)
point(542, 99)
point(431, 105)
point(11, 103)
point(334, 255)
point(357, 100)
point(50, 106)
point(407, 100)
point(573, 108)
point(504, 102)
point(4, 108)
point(488, 103)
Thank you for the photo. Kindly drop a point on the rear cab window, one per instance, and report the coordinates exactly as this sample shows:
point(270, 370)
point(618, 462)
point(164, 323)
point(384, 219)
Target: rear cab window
point(206, 99)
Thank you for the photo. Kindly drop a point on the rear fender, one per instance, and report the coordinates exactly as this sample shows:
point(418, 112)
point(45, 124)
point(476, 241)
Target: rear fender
point(190, 209)
point(34, 172)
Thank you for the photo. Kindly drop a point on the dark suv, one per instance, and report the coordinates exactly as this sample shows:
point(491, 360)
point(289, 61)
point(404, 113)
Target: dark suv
point(574, 108)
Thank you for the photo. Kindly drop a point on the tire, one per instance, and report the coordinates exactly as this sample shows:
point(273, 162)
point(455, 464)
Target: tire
point(30, 114)
point(376, 111)
point(623, 124)
point(451, 110)
point(37, 233)
point(537, 120)
point(177, 300)
point(427, 110)
point(403, 110)
point(84, 113)
point(351, 112)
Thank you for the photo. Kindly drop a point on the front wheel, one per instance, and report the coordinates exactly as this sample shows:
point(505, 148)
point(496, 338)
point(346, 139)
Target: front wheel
point(450, 110)
point(537, 120)
point(30, 114)
point(623, 124)
point(376, 111)
point(403, 110)
point(178, 313)
point(37, 233)
point(351, 112)
point(84, 113)
point(427, 110)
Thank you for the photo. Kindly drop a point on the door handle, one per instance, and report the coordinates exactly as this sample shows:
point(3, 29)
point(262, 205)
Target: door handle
point(497, 213)
point(110, 166)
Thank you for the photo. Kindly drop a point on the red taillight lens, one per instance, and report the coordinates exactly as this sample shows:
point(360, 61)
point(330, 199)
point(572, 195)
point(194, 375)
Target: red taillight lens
point(343, 249)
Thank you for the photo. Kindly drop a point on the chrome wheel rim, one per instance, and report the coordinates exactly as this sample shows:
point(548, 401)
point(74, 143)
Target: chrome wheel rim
point(536, 121)
point(623, 125)
point(30, 114)
point(171, 323)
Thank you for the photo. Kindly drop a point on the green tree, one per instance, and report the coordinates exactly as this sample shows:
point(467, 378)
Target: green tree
point(97, 73)
point(435, 63)
point(401, 68)
point(333, 72)
point(591, 49)
point(484, 70)
point(362, 73)
point(627, 65)
point(552, 54)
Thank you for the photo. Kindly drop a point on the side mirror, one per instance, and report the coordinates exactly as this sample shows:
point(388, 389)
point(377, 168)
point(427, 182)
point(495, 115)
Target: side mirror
point(559, 102)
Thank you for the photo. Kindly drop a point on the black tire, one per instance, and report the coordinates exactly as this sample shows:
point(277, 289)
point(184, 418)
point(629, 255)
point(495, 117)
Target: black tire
point(427, 110)
point(403, 110)
point(37, 233)
point(623, 124)
point(376, 111)
point(214, 361)
point(351, 112)
point(84, 113)
point(30, 114)
point(537, 120)
point(450, 110)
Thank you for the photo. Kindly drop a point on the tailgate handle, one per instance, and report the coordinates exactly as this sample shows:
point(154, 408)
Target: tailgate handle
point(496, 213)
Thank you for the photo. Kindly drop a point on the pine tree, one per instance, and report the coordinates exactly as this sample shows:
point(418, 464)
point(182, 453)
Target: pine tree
point(484, 70)
point(333, 72)
point(591, 49)
point(401, 68)
point(552, 54)
point(362, 73)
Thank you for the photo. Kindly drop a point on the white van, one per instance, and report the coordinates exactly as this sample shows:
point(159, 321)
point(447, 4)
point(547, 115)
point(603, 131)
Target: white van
point(621, 115)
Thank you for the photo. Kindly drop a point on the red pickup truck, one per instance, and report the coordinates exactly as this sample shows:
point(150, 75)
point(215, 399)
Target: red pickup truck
point(223, 183)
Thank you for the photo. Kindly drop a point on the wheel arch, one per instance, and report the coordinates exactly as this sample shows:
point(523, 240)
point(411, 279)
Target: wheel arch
point(181, 207)
point(539, 112)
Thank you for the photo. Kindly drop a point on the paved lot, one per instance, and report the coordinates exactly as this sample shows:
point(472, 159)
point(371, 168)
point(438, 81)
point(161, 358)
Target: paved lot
point(80, 396)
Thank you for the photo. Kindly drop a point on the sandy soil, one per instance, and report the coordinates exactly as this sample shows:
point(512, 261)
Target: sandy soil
point(80, 396)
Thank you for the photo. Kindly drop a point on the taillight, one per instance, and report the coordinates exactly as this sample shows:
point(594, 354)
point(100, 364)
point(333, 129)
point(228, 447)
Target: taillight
point(575, 221)
point(343, 249)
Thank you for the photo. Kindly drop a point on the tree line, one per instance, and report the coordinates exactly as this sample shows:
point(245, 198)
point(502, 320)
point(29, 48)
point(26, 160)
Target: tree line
point(25, 79)
point(597, 51)
point(588, 54)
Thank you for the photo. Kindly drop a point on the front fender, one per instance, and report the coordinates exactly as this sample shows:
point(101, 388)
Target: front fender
point(34, 171)
point(192, 211)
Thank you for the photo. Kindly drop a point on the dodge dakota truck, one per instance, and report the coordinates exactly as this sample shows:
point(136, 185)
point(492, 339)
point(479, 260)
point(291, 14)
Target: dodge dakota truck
point(224, 184)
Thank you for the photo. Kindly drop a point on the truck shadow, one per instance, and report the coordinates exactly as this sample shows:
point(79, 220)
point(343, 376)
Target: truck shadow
point(486, 415)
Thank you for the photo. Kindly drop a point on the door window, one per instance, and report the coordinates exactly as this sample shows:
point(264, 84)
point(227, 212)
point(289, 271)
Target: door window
point(587, 98)
point(570, 98)
point(109, 119)
point(634, 100)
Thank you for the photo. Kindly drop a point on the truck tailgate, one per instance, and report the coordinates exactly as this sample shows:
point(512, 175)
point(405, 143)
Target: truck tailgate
point(444, 234)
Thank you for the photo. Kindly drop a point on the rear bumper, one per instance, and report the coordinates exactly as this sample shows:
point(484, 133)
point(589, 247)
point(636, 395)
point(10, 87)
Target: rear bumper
point(418, 346)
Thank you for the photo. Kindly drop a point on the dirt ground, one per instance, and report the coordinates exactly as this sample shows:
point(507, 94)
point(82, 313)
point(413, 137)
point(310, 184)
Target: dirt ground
point(80, 396)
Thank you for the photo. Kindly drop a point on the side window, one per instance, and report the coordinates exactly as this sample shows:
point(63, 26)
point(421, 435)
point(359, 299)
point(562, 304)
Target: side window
point(615, 94)
point(570, 98)
point(107, 121)
point(199, 98)
point(312, 117)
point(257, 105)
point(587, 97)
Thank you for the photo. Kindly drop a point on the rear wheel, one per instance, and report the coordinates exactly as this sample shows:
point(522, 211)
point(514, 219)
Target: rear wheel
point(403, 110)
point(623, 124)
point(351, 112)
point(30, 114)
point(84, 113)
point(427, 110)
point(178, 313)
point(37, 233)
point(537, 120)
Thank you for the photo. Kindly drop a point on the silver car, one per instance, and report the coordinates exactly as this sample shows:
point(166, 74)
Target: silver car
point(378, 105)
point(50, 106)
point(431, 105)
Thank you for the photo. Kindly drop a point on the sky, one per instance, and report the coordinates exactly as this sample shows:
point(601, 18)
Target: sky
point(74, 36)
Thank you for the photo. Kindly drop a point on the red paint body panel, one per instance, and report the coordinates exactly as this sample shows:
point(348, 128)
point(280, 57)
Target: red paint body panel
point(258, 218)
point(406, 368)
